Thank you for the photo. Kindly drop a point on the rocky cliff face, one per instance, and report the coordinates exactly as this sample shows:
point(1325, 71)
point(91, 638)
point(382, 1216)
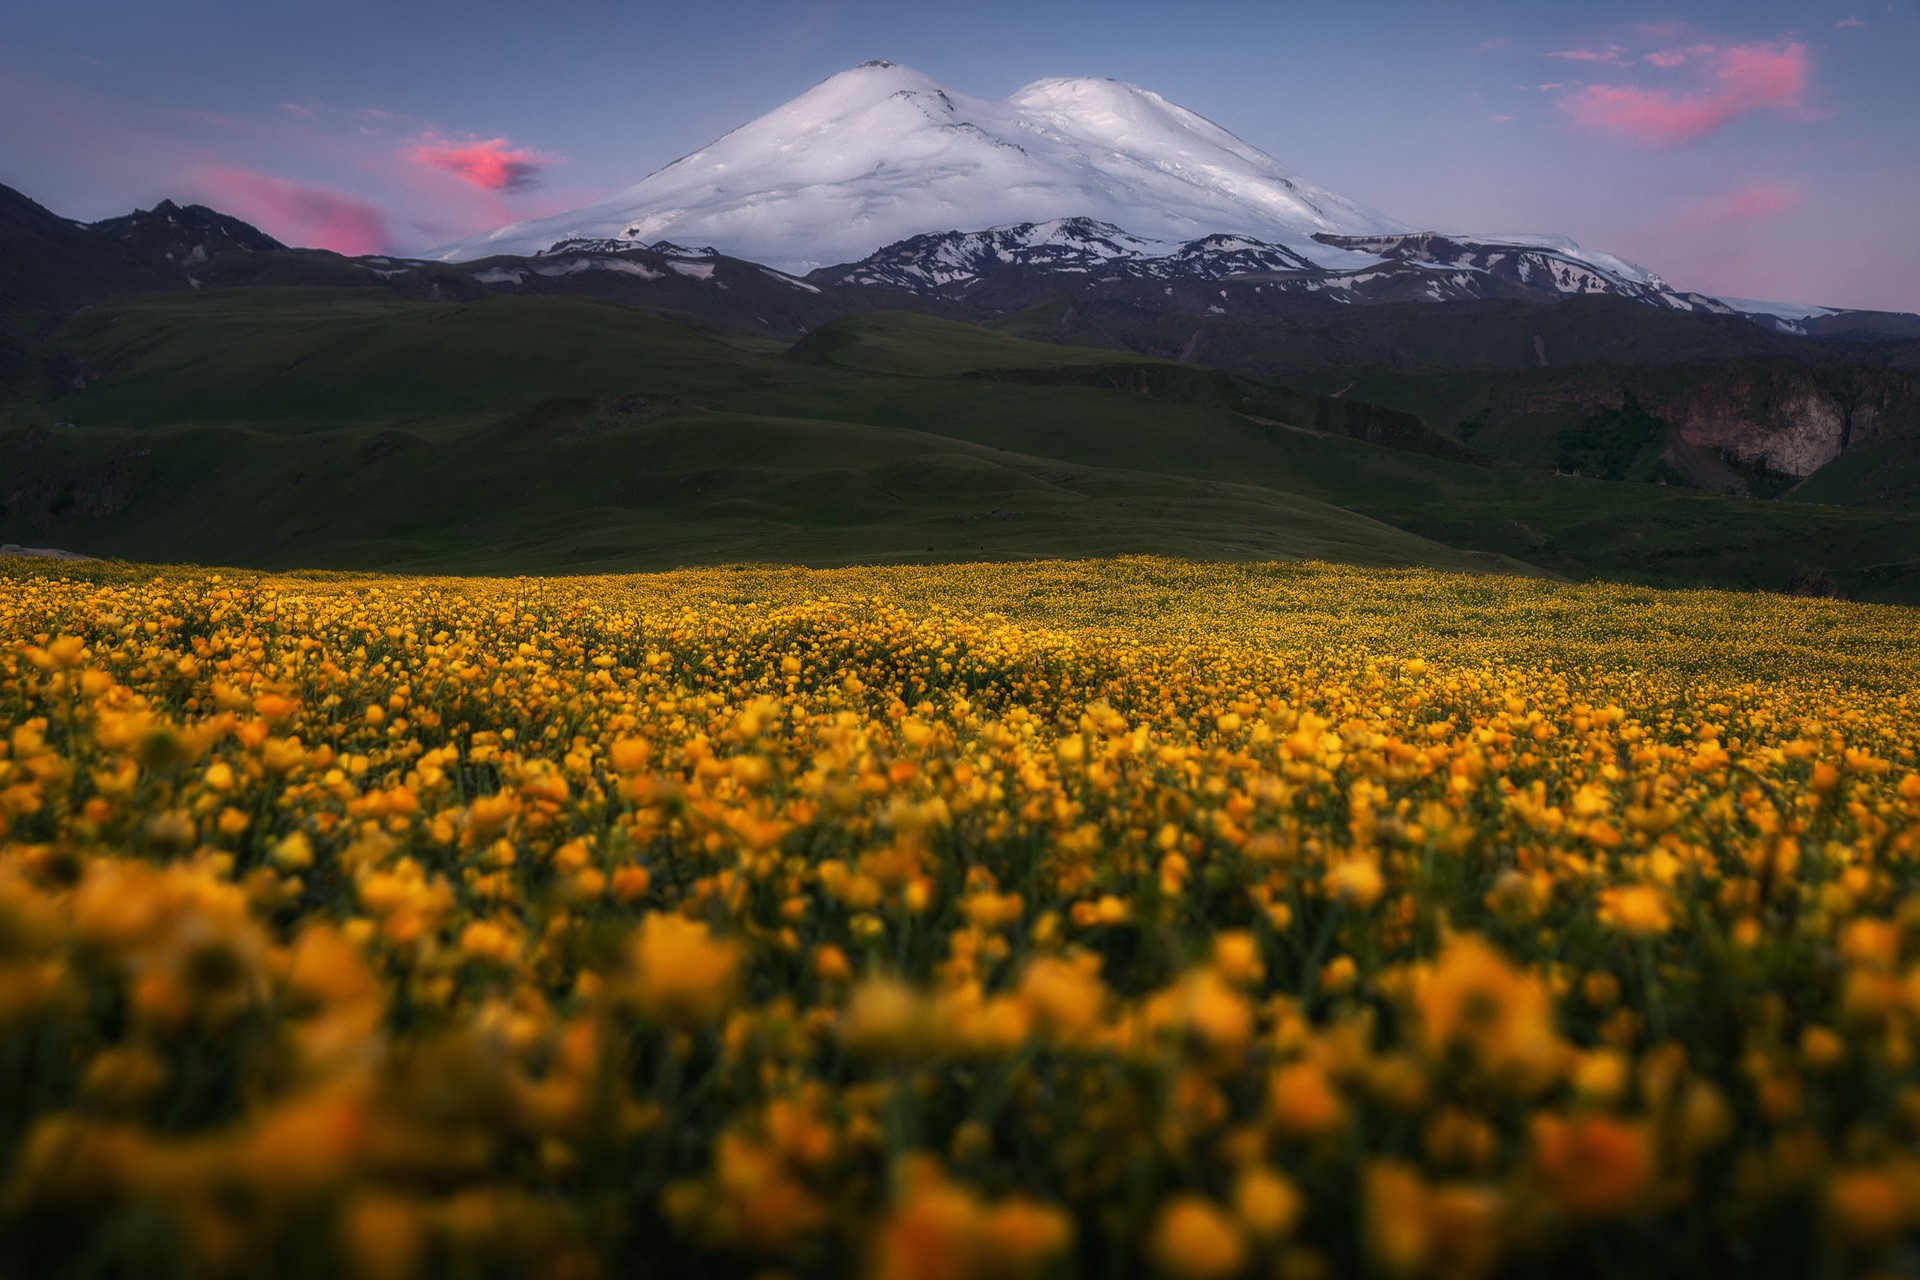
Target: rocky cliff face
point(1788, 419)
point(1793, 421)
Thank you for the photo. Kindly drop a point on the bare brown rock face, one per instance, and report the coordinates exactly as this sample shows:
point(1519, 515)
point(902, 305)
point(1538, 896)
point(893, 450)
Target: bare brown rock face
point(1787, 418)
point(1792, 420)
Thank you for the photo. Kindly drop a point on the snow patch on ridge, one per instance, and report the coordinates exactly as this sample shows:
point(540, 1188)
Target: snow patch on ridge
point(1783, 310)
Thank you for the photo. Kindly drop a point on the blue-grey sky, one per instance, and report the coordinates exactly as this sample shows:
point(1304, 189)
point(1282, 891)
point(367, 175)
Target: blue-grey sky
point(1755, 149)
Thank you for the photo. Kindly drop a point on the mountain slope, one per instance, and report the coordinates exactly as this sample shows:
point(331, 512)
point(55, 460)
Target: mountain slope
point(347, 429)
point(333, 428)
point(1757, 426)
point(188, 235)
point(1314, 340)
point(48, 267)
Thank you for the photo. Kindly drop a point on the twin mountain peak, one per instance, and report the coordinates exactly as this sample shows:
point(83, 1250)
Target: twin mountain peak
point(922, 187)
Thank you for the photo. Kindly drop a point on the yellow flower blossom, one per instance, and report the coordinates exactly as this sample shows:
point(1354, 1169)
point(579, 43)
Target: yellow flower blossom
point(1193, 1239)
point(683, 975)
point(1640, 910)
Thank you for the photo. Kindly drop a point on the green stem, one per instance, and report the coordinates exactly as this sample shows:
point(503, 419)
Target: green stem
point(1656, 1011)
point(1310, 975)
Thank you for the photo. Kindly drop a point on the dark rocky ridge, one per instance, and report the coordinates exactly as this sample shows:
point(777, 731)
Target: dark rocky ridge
point(189, 235)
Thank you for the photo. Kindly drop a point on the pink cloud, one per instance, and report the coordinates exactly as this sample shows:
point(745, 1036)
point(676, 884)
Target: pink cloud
point(1613, 53)
point(1845, 23)
point(1753, 203)
point(308, 216)
point(491, 165)
point(1745, 79)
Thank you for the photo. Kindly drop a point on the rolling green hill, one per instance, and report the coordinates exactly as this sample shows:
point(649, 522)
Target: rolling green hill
point(301, 427)
point(341, 428)
point(1885, 473)
point(1315, 334)
point(921, 346)
point(578, 485)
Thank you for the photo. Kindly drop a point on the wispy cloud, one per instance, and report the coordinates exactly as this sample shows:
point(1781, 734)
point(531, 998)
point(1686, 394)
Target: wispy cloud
point(1755, 202)
point(1850, 21)
point(1612, 53)
point(313, 217)
point(1742, 80)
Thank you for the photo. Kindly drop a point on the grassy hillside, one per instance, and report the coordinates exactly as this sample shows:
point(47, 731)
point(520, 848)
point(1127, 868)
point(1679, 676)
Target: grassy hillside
point(900, 342)
point(325, 427)
point(294, 427)
point(1612, 420)
point(1884, 473)
point(1318, 333)
point(294, 359)
point(584, 485)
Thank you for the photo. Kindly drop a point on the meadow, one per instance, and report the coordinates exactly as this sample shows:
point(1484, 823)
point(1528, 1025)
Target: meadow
point(929, 923)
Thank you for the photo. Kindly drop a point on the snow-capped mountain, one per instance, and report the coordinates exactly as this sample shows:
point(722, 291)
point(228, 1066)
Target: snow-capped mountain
point(906, 184)
point(881, 153)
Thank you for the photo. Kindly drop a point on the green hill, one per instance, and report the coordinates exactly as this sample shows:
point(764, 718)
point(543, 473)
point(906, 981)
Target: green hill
point(900, 342)
point(1884, 473)
point(342, 428)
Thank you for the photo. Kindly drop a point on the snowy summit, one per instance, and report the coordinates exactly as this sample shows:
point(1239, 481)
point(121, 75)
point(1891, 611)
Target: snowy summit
point(882, 152)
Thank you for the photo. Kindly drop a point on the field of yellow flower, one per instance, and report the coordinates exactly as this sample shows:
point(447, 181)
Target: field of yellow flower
point(939, 923)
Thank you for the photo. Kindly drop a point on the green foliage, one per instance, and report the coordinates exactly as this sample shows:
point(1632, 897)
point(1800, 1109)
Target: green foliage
point(1612, 444)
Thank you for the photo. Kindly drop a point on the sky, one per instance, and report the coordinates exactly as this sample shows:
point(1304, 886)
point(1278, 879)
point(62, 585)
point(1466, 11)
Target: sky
point(1751, 149)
